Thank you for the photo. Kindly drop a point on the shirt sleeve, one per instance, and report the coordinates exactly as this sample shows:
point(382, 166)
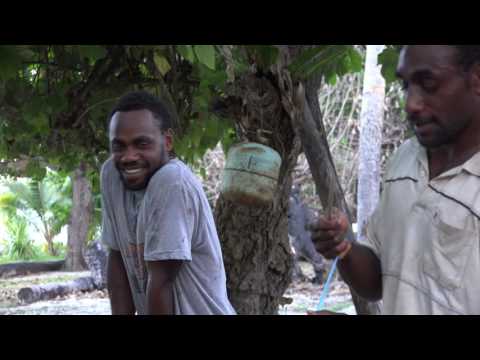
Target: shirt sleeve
point(370, 239)
point(169, 225)
point(108, 234)
point(376, 220)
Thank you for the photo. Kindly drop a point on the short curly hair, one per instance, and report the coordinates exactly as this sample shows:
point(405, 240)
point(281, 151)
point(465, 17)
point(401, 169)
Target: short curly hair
point(469, 55)
point(142, 100)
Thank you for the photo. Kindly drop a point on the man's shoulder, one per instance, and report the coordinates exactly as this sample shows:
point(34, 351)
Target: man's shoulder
point(409, 148)
point(109, 176)
point(173, 172)
point(107, 168)
point(404, 158)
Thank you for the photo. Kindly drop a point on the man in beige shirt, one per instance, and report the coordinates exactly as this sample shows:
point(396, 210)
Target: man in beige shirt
point(422, 253)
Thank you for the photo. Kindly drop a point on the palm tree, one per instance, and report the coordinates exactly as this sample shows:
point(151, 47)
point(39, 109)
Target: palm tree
point(50, 200)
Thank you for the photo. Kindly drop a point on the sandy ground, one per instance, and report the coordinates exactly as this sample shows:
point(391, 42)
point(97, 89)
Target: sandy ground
point(304, 297)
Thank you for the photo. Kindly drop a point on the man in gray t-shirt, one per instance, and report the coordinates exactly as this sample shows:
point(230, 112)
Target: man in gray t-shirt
point(165, 256)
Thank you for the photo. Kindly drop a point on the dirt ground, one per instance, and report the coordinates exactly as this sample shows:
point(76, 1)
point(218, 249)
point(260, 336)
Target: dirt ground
point(304, 297)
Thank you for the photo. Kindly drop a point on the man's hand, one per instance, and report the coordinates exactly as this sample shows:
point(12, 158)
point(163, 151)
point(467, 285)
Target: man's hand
point(121, 300)
point(328, 234)
point(359, 266)
point(161, 276)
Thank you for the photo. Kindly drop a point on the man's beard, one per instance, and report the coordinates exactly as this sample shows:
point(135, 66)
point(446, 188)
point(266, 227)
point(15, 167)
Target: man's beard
point(439, 136)
point(144, 164)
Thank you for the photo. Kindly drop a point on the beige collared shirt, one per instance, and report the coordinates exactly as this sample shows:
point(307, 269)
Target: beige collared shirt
point(426, 234)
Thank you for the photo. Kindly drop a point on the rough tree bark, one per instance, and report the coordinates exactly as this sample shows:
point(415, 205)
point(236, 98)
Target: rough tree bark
point(255, 243)
point(49, 238)
point(371, 120)
point(371, 126)
point(79, 221)
point(96, 258)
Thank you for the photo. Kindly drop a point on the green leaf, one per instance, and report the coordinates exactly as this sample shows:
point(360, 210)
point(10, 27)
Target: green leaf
point(25, 53)
point(2, 91)
point(161, 63)
point(41, 124)
point(205, 55)
point(17, 92)
point(229, 138)
point(187, 52)
point(10, 62)
point(264, 55)
point(389, 60)
point(332, 79)
point(328, 60)
point(212, 128)
point(209, 77)
point(301, 62)
point(356, 61)
point(93, 52)
point(34, 113)
point(35, 170)
point(200, 103)
point(57, 103)
point(240, 60)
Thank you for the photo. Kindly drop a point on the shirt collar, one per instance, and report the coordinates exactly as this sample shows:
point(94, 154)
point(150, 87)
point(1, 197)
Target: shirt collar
point(471, 166)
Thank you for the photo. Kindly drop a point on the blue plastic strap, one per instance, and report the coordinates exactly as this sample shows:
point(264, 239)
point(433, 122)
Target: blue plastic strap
point(326, 288)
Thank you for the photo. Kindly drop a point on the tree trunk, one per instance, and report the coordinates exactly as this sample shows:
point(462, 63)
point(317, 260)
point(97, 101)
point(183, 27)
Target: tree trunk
point(79, 220)
point(47, 236)
point(50, 291)
point(96, 258)
point(371, 120)
point(371, 126)
point(255, 243)
point(50, 246)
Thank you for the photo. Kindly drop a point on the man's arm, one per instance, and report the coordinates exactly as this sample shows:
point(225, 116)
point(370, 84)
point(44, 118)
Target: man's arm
point(161, 275)
point(121, 299)
point(361, 269)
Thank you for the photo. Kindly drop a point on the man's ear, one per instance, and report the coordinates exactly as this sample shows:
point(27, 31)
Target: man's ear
point(475, 78)
point(169, 139)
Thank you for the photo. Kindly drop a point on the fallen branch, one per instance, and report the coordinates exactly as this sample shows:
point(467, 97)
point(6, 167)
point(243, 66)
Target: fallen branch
point(96, 259)
point(35, 293)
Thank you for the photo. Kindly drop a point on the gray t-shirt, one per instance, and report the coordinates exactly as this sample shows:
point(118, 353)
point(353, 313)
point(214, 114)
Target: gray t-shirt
point(174, 222)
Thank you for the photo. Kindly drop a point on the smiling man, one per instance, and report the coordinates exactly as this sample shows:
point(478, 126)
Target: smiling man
point(164, 252)
point(422, 253)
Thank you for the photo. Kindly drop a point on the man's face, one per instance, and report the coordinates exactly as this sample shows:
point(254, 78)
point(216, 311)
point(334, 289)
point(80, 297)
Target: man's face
point(138, 147)
point(440, 100)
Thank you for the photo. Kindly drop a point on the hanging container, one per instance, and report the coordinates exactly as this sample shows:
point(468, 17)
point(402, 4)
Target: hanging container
point(251, 174)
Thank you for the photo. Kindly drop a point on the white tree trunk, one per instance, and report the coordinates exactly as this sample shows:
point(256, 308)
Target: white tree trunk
point(371, 127)
point(370, 138)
